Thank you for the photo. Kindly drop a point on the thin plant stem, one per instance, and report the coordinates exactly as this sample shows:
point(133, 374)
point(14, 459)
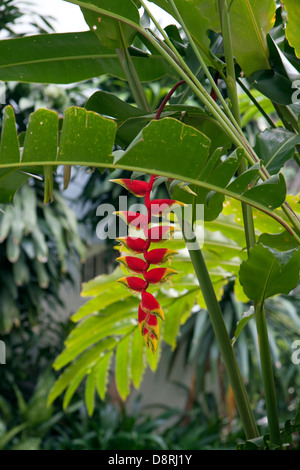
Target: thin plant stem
point(222, 337)
point(233, 96)
point(267, 375)
point(256, 104)
point(132, 76)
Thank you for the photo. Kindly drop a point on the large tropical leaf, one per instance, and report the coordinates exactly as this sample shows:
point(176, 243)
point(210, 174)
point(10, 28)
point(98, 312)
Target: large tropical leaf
point(86, 138)
point(292, 8)
point(250, 20)
point(68, 58)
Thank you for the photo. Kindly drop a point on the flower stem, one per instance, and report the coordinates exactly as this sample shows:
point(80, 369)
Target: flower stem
point(267, 375)
point(222, 337)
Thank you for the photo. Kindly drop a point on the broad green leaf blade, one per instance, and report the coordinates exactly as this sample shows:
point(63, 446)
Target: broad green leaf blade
point(163, 143)
point(10, 181)
point(41, 138)
point(292, 8)
point(251, 20)
point(271, 193)
point(86, 136)
point(123, 377)
point(112, 33)
point(278, 273)
point(275, 147)
point(121, 10)
point(69, 58)
point(9, 146)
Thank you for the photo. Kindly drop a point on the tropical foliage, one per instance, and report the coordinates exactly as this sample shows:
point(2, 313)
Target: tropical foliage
point(202, 148)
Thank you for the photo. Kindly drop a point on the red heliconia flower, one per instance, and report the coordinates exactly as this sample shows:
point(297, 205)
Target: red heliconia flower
point(136, 187)
point(150, 305)
point(135, 219)
point(134, 284)
point(161, 206)
point(159, 275)
point(148, 326)
point(159, 255)
point(150, 311)
point(135, 244)
point(159, 233)
point(135, 265)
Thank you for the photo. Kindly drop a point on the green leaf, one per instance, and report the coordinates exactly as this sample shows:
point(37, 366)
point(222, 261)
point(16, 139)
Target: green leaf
point(90, 389)
point(69, 58)
point(278, 272)
point(247, 316)
point(111, 33)
point(137, 358)
point(292, 8)
point(123, 354)
point(87, 360)
point(250, 22)
point(121, 10)
point(102, 371)
point(177, 314)
point(163, 143)
point(275, 147)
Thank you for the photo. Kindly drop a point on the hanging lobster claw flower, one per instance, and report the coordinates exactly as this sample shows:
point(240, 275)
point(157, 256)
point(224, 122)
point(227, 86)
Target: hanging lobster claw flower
point(135, 219)
point(148, 326)
point(134, 244)
point(159, 255)
point(150, 305)
point(134, 284)
point(135, 265)
point(161, 206)
point(136, 187)
point(159, 275)
point(159, 233)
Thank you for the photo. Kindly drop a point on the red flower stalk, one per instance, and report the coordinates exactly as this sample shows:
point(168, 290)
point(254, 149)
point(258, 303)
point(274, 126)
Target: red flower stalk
point(149, 308)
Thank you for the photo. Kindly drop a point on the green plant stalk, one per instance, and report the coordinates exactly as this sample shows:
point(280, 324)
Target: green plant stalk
point(222, 337)
point(261, 324)
point(132, 76)
point(267, 374)
point(256, 104)
point(233, 96)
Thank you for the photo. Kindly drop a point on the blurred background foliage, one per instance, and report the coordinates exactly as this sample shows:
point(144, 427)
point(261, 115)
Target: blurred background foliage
point(39, 243)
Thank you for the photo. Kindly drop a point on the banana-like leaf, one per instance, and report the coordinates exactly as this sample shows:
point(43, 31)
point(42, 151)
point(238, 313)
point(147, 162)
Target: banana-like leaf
point(86, 138)
point(250, 23)
point(68, 58)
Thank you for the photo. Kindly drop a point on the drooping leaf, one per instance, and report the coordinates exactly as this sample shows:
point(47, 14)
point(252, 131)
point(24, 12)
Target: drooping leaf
point(278, 272)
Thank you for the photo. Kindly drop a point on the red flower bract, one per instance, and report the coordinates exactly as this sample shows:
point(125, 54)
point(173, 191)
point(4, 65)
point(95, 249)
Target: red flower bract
point(150, 311)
